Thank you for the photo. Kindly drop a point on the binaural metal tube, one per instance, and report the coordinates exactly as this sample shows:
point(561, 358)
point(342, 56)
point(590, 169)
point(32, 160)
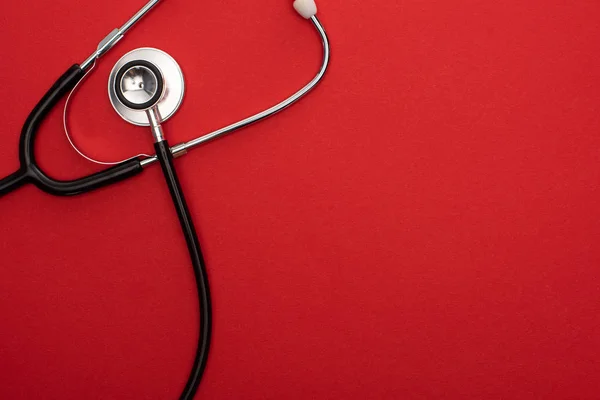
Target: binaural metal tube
point(116, 35)
point(279, 107)
point(138, 16)
point(183, 147)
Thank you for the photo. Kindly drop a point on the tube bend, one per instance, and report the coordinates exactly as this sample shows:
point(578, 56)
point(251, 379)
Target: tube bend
point(30, 172)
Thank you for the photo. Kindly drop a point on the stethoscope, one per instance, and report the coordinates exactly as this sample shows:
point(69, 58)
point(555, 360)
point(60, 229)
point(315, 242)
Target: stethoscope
point(146, 87)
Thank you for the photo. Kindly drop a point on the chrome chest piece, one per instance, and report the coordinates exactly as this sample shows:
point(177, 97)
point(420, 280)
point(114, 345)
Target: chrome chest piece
point(146, 79)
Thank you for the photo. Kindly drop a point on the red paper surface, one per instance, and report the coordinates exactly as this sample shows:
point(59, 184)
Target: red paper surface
point(424, 225)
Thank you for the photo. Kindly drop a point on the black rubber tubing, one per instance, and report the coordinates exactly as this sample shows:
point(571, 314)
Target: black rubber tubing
point(166, 162)
point(29, 172)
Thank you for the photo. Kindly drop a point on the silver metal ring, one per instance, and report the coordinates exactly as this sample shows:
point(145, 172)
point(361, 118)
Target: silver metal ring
point(174, 89)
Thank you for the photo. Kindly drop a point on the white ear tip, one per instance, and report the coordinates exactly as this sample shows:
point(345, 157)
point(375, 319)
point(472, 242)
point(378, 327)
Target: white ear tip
point(306, 8)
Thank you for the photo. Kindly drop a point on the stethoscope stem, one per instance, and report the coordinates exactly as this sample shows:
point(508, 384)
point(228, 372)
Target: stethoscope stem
point(155, 124)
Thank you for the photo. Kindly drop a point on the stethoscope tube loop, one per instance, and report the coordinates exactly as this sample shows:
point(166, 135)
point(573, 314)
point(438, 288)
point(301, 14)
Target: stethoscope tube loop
point(30, 172)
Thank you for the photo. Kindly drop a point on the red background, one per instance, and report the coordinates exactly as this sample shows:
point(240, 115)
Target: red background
point(424, 225)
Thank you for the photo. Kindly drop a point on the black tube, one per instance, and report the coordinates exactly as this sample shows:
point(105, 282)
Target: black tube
point(13, 182)
point(30, 172)
point(61, 87)
point(166, 162)
point(109, 176)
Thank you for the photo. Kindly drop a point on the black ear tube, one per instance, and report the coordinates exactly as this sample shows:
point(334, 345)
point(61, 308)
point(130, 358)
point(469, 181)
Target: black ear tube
point(30, 172)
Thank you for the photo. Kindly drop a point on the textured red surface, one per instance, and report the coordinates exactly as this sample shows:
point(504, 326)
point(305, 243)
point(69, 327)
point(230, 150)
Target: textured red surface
point(424, 225)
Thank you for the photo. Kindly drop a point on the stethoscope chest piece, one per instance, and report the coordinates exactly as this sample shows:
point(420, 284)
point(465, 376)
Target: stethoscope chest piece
point(142, 79)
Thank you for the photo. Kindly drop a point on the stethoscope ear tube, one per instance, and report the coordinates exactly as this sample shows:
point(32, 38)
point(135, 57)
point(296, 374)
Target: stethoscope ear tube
point(30, 172)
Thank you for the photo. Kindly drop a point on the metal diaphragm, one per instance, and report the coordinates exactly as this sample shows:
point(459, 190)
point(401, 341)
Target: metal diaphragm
point(144, 78)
